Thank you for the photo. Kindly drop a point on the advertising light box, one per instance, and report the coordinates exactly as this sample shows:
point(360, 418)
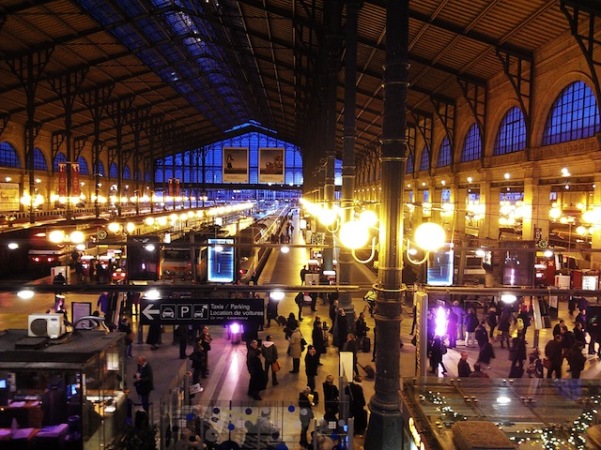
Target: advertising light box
point(440, 268)
point(221, 261)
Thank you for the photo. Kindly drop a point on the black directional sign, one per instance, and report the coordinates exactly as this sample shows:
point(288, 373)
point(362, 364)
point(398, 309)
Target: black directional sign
point(201, 311)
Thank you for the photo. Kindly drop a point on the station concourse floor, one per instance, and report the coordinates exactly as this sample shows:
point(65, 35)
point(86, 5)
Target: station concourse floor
point(228, 378)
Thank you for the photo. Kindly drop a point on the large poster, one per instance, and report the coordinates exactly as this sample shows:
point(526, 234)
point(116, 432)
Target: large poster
point(235, 165)
point(62, 179)
point(271, 165)
point(9, 197)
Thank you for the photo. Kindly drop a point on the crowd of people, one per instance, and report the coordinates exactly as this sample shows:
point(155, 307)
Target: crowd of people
point(503, 327)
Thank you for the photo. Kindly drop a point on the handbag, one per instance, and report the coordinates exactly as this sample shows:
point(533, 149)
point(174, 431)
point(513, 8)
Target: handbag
point(546, 363)
point(275, 366)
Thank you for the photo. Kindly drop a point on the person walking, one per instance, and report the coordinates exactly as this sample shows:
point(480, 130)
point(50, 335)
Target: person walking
point(270, 355)
point(299, 299)
point(144, 382)
point(471, 323)
point(504, 326)
point(481, 335)
point(437, 351)
point(361, 328)
point(272, 310)
point(517, 353)
point(255, 368)
point(154, 334)
point(199, 363)
point(311, 366)
point(341, 326)
point(463, 366)
point(491, 321)
point(295, 349)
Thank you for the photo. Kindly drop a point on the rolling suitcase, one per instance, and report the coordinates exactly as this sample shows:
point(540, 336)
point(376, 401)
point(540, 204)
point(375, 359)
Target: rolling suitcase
point(366, 344)
point(369, 371)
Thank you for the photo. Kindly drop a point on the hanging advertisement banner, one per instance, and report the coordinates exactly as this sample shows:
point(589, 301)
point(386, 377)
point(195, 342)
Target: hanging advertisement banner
point(62, 179)
point(170, 187)
point(271, 165)
point(235, 165)
point(75, 186)
point(9, 196)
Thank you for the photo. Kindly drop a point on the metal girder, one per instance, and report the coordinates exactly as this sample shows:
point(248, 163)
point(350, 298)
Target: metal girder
point(453, 28)
point(446, 113)
point(78, 144)
point(475, 95)
point(424, 124)
point(56, 141)
point(4, 119)
point(586, 40)
point(520, 73)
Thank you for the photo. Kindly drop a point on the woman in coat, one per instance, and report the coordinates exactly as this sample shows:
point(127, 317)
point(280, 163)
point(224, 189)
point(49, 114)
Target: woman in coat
point(330, 399)
point(291, 325)
point(258, 378)
point(295, 349)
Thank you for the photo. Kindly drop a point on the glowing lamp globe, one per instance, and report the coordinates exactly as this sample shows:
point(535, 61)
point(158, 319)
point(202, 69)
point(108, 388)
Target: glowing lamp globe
point(354, 235)
point(429, 236)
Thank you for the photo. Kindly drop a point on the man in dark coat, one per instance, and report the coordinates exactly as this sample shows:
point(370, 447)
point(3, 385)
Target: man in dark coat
point(258, 377)
point(144, 382)
point(463, 367)
point(554, 353)
point(357, 404)
point(311, 365)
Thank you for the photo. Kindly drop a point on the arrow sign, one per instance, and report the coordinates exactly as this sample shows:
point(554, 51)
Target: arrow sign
point(148, 312)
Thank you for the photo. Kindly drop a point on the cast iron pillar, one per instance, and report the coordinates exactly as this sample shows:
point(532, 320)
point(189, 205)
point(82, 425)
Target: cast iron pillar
point(345, 259)
point(385, 429)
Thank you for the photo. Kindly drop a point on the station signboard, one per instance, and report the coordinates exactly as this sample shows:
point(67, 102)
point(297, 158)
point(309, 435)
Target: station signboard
point(185, 311)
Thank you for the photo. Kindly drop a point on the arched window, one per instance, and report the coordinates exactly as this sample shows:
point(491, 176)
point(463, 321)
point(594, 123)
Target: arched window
point(100, 168)
point(39, 160)
point(58, 159)
point(424, 163)
point(126, 173)
point(113, 171)
point(574, 115)
point(444, 153)
point(8, 156)
point(472, 147)
point(409, 167)
point(512, 133)
point(83, 166)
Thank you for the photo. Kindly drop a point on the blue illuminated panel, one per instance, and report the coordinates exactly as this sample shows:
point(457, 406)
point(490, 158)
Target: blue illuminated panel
point(440, 268)
point(221, 262)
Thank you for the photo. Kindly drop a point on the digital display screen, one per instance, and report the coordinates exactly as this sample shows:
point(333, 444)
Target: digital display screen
point(221, 261)
point(2, 384)
point(440, 268)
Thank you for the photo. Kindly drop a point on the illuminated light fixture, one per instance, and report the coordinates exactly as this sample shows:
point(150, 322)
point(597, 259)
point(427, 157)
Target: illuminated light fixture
point(327, 217)
point(548, 253)
point(508, 298)
point(77, 237)
point(429, 236)
point(443, 182)
point(565, 172)
point(481, 253)
point(369, 218)
point(506, 176)
point(56, 236)
point(441, 322)
point(470, 179)
point(152, 294)
point(130, 227)
point(285, 249)
point(80, 247)
point(235, 328)
point(149, 221)
point(277, 295)
point(150, 247)
point(354, 234)
point(114, 227)
point(12, 246)
point(25, 294)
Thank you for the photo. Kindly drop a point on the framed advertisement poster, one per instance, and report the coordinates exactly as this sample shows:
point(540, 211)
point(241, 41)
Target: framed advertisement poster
point(235, 165)
point(271, 165)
